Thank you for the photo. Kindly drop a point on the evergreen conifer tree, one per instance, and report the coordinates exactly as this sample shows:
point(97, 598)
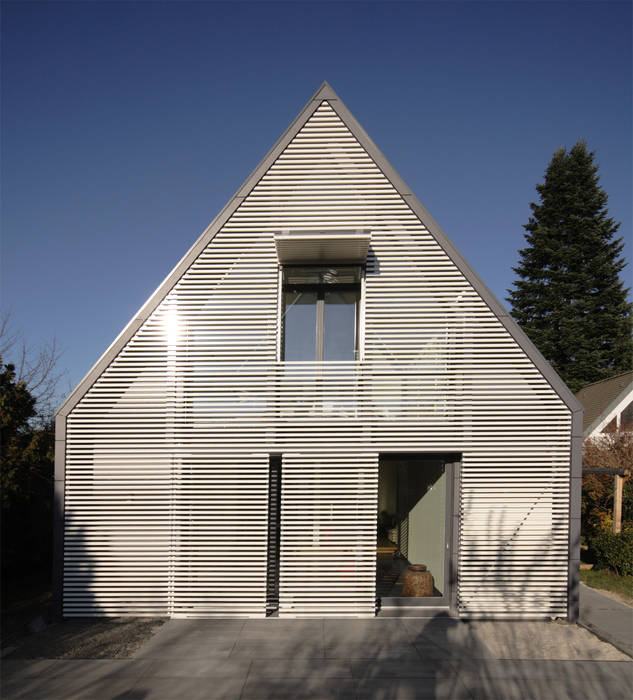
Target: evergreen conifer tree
point(569, 297)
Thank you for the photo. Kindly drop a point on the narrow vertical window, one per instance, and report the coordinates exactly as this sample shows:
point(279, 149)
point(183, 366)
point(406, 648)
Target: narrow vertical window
point(274, 533)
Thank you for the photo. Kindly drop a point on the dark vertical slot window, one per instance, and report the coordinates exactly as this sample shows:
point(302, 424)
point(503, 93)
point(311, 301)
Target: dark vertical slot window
point(320, 313)
point(274, 533)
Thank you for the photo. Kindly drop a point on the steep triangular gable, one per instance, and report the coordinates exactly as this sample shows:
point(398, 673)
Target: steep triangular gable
point(325, 105)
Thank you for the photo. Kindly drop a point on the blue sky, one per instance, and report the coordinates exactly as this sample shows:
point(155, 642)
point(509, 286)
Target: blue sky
point(127, 126)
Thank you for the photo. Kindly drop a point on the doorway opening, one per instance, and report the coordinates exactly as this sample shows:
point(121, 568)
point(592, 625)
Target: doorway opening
point(414, 529)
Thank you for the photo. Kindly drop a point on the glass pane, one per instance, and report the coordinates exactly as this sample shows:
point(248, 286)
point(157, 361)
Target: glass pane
point(321, 275)
point(339, 325)
point(300, 326)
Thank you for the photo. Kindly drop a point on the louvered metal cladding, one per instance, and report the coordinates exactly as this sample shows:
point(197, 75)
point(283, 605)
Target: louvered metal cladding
point(328, 535)
point(167, 452)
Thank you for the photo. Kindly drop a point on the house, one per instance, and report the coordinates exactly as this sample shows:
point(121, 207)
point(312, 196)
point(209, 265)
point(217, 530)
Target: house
point(608, 408)
point(319, 395)
point(608, 405)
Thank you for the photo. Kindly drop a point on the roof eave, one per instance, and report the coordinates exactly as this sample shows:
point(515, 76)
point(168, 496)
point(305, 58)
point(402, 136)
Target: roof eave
point(460, 262)
point(605, 415)
point(324, 92)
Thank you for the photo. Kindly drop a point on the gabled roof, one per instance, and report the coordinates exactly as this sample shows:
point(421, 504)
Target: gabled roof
point(601, 399)
point(325, 92)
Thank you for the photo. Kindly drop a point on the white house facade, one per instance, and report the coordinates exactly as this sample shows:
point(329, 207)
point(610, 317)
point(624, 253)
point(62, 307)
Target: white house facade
point(320, 394)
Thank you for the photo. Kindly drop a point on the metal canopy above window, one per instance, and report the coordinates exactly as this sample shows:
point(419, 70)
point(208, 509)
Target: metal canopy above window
point(322, 247)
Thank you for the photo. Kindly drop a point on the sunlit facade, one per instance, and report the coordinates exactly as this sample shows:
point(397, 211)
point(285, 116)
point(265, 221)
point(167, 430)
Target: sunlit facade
point(321, 395)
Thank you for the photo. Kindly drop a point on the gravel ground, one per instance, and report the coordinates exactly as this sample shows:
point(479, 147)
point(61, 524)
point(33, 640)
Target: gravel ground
point(84, 638)
point(28, 629)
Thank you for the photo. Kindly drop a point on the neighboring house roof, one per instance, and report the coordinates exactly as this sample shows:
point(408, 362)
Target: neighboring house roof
point(325, 93)
point(602, 401)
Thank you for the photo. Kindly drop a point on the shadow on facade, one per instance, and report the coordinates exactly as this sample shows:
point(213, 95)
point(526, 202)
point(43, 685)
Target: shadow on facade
point(384, 657)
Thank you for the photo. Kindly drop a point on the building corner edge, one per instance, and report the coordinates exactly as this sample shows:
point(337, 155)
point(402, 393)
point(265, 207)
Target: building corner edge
point(58, 516)
point(575, 499)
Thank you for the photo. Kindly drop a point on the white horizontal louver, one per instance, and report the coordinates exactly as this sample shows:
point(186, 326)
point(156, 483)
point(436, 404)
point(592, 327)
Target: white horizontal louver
point(220, 526)
point(328, 535)
point(174, 434)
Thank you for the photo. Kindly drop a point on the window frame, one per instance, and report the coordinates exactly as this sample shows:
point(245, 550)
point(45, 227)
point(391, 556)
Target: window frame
point(320, 290)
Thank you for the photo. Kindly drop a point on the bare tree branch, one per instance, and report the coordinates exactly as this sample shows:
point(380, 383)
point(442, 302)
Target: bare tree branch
point(37, 368)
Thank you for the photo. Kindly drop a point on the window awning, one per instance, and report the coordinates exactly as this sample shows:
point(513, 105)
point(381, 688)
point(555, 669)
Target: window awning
point(322, 247)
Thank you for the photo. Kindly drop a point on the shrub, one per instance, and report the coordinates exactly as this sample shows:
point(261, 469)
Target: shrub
point(611, 450)
point(613, 551)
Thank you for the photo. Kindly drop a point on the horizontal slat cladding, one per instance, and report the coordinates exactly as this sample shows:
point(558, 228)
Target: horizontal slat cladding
point(166, 458)
point(328, 535)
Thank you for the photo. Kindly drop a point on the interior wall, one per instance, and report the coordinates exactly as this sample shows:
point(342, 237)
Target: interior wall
point(427, 525)
point(388, 488)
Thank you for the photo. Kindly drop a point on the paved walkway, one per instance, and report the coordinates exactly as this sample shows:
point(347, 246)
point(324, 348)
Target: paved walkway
point(383, 658)
point(608, 618)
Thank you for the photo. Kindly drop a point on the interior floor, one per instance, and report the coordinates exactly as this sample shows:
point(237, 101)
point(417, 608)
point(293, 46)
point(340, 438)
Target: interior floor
point(390, 572)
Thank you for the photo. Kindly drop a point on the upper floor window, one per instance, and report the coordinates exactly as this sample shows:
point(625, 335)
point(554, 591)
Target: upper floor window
point(320, 313)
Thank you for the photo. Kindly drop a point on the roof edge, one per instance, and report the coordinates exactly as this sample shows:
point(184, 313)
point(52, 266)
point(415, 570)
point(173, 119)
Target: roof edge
point(606, 379)
point(604, 415)
point(546, 369)
point(325, 92)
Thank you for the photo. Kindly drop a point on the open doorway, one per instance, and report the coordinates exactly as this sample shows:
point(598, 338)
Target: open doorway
point(414, 519)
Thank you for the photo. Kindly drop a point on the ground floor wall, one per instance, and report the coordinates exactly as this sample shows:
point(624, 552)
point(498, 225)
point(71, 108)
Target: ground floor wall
point(157, 526)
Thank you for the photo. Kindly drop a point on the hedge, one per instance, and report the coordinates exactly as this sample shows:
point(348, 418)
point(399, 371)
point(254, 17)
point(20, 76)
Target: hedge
point(613, 551)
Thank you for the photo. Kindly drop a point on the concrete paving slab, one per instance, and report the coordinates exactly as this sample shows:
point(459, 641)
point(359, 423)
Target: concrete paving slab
point(452, 651)
point(97, 669)
point(608, 618)
point(371, 650)
point(283, 631)
point(410, 689)
point(189, 649)
point(398, 668)
point(376, 630)
point(67, 687)
point(179, 688)
point(208, 624)
point(454, 637)
point(210, 667)
point(313, 688)
point(563, 689)
point(301, 668)
point(282, 626)
point(24, 668)
point(277, 649)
